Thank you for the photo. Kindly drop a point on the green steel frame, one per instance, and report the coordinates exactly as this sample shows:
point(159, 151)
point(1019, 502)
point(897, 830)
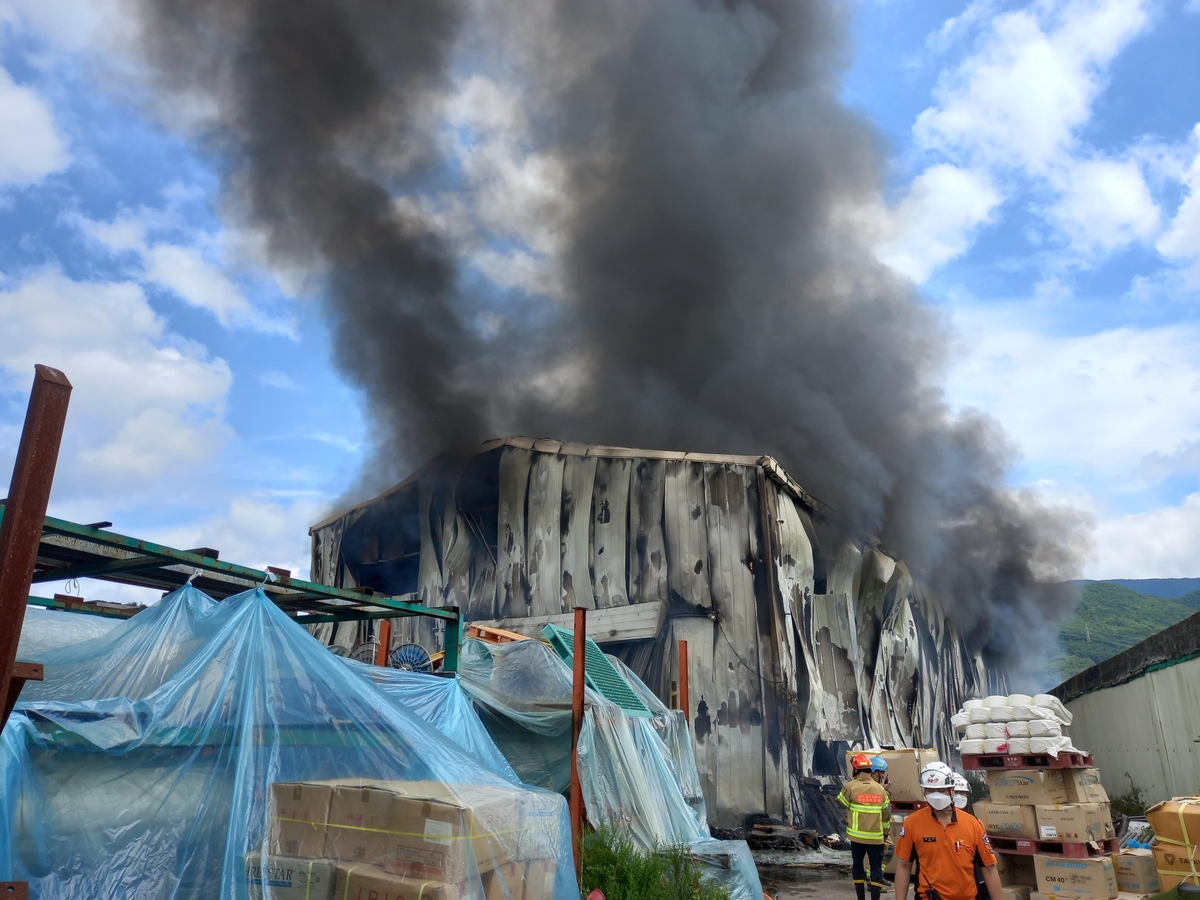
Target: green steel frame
point(69, 550)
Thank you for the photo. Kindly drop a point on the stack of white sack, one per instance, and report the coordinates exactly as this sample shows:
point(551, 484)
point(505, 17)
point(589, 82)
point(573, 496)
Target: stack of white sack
point(1016, 724)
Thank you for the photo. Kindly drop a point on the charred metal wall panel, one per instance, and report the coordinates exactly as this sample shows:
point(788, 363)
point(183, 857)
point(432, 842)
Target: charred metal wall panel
point(727, 553)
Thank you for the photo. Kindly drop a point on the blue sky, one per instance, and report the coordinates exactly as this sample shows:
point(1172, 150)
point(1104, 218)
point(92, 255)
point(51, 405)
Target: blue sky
point(1042, 189)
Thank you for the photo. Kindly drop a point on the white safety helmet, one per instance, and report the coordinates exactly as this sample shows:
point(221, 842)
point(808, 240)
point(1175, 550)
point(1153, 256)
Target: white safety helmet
point(961, 785)
point(937, 777)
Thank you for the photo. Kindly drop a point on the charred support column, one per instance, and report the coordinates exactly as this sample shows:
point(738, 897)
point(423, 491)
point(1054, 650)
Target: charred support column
point(385, 642)
point(684, 699)
point(452, 642)
point(579, 675)
point(25, 512)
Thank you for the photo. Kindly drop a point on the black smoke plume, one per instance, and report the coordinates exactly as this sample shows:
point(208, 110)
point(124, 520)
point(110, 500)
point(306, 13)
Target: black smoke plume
point(703, 279)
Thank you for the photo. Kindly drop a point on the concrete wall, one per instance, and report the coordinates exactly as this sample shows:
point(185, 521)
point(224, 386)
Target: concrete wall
point(1147, 729)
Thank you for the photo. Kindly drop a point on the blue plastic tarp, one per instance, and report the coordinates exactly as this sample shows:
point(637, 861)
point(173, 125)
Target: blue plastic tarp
point(442, 703)
point(172, 794)
point(131, 659)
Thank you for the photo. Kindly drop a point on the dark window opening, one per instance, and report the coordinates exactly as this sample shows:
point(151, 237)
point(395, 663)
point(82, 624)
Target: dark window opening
point(479, 498)
point(820, 576)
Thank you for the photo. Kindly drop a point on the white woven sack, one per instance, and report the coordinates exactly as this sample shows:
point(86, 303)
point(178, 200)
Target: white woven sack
point(1045, 728)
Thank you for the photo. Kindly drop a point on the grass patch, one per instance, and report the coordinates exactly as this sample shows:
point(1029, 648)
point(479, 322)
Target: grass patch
point(613, 863)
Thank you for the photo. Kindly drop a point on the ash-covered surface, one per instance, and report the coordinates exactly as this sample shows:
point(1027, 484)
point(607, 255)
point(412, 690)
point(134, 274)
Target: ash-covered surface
point(813, 873)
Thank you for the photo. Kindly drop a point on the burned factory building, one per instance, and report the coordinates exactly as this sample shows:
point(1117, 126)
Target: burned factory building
point(802, 640)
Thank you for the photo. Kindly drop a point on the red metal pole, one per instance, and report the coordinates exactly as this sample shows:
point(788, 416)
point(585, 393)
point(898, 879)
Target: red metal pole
point(684, 699)
point(385, 642)
point(578, 677)
point(25, 508)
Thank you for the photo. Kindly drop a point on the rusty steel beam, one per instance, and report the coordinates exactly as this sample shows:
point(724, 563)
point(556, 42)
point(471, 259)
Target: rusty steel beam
point(578, 678)
point(25, 508)
point(684, 700)
point(385, 643)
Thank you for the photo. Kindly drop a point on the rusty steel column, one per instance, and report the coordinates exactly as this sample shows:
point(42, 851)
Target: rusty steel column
point(684, 699)
point(25, 508)
point(385, 642)
point(579, 675)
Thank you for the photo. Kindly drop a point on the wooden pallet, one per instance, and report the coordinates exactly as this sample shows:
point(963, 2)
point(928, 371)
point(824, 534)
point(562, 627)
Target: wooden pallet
point(1068, 849)
point(1028, 761)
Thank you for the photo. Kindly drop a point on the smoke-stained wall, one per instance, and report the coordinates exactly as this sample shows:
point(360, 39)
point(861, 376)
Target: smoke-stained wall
point(801, 640)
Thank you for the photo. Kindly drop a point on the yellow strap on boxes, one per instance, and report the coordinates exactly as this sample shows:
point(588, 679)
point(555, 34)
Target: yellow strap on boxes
point(418, 834)
point(1184, 803)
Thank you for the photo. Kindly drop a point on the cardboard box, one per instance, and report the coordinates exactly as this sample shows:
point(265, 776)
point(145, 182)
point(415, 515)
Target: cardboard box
point(539, 879)
point(1095, 878)
point(364, 882)
point(1075, 822)
point(1007, 819)
point(904, 771)
point(289, 878)
point(423, 828)
point(1125, 895)
point(1137, 873)
point(1084, 786)
point(1170, 857)
point(1016, 892)
point(1027, 787)
point(1172, 818)
point(1015, 869)
point(505, 882)
point(298, 812)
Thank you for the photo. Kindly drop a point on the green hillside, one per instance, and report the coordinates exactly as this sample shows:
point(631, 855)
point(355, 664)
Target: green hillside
point(1111, 618)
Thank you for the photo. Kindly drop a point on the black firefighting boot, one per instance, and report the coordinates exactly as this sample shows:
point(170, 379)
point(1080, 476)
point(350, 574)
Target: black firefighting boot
point(874, 891)
point(861, 889)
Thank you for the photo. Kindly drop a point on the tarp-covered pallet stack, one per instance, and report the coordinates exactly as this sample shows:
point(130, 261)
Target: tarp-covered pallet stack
point(1048, 818)
point(802, 640)
point(177, 785)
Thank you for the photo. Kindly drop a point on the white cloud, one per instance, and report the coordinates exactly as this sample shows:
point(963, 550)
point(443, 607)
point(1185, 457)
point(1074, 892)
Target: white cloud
point(1105, 206)
point(255, 531)
point(183, 270)
point(30, 145)
point(1098, 403)
point(1019, 99)
point(1180, 242)
point(1160, 543)
point(937, 219)
point(146, 401)
point(279, 380)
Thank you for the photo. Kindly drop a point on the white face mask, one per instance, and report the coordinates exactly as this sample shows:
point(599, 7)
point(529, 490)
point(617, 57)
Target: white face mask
point(960, 800)
point(939, 800)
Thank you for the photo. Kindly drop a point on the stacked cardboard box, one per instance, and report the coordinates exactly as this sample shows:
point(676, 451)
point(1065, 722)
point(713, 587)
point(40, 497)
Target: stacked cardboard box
point(904, 771)
point(400, 840)
point(1136, 873)
point(1061, 805)
point(1176, 826)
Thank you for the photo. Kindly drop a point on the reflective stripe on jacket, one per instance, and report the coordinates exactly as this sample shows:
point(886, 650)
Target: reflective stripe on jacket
point(870, 809)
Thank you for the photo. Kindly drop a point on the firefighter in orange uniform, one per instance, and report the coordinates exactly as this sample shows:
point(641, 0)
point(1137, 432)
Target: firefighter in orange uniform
point(938, 848)
point(867, 825)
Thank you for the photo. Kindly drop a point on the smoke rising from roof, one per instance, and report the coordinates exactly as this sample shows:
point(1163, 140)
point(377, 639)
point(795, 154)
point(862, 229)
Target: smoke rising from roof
point(634, 223)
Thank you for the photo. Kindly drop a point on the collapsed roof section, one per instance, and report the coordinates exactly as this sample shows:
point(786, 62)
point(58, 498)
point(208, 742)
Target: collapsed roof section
point(802, 640)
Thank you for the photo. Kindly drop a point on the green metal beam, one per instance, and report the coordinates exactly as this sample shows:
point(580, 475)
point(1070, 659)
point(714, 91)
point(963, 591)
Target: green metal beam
point(282, 588)
point(88, 609)
point(280, 591)
point(99, 570)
